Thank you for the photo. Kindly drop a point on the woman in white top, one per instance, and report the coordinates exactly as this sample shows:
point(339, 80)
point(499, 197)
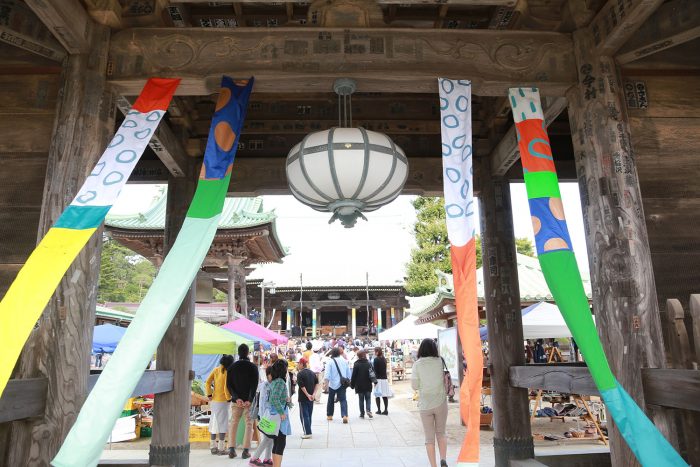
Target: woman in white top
point(427, 378)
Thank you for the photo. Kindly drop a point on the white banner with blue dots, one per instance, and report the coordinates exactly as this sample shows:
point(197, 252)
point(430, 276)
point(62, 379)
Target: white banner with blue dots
point(457, 159)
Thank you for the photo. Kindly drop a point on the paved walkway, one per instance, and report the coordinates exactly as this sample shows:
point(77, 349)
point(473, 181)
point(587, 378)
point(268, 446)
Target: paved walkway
point(395, 440)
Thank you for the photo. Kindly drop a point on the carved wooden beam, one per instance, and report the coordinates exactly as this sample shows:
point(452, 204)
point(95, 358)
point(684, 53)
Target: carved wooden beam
point(164, 143)
point(310, 59)
point(20, 27)
point(507, 153)
point(67, 20)
point(617, 22)
point(570, 379)
point(389, 2)
point(674, 23)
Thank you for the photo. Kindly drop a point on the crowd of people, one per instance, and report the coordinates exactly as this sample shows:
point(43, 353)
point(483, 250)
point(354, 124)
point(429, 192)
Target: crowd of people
point(261, 392)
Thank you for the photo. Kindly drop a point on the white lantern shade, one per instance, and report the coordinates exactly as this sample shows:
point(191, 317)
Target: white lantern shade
point(346, 169)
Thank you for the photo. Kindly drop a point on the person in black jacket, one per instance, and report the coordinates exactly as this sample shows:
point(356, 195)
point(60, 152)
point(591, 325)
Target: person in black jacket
point(381, 389)
point(242, 382)
point(361, 381)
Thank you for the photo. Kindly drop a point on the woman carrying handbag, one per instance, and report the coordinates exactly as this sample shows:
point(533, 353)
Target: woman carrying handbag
point(275, 422)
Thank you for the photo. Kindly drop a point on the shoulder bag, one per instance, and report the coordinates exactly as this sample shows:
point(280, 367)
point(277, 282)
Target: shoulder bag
point(447, 379)
point(344, 382)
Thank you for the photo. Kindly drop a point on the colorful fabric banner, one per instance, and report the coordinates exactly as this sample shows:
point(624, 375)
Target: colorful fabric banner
point(560, 270)
point(31, 290)
point(457, 162)
point(103, 406)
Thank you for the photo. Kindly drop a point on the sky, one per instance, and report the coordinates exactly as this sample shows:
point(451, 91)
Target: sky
point(386, 238)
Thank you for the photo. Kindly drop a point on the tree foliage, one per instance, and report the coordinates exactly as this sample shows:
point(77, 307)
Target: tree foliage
point(124, 275)
point(433, 247)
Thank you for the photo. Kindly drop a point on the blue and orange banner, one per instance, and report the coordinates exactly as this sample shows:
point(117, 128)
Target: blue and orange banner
point(36, 282)
point(457, 162)
point(556, 256)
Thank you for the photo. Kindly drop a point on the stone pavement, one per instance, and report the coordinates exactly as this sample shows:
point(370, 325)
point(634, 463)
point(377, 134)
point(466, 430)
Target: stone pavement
point(395, 440)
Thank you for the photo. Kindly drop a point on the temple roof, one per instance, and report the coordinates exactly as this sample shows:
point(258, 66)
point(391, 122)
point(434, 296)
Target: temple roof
point(533, 288)
point(237, 213)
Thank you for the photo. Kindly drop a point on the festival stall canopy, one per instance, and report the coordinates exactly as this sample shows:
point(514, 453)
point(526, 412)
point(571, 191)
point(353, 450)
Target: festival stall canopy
point(408, 329)
point(540, 321)
point(105, 338)
point(210, 339)
point(247, 326)
point(265, 344)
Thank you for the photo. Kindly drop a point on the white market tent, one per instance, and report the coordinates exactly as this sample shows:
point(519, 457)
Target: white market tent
point(408, 329)
point(540, 321)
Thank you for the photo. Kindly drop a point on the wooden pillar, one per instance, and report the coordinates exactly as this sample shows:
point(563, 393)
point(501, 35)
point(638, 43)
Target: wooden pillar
point(511, 406)
point(170, 444)
point(231, 275)
point(243, 290)
point(624, 293)
point(59, 347)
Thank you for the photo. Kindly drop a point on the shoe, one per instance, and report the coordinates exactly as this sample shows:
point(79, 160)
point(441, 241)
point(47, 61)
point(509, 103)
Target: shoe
point(329, 418)
point(256, 462)
point(345, 420)
point(443, 463)
point(232, 453)
point(214, 451)
point(362, 415)
point(267, 462)
point(369, 414)
point(245, 454)
point(306, 436)
point(386, 412)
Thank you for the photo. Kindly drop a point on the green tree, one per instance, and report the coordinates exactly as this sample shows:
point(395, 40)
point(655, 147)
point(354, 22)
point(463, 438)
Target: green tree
point(124, 275)
point(433, 247)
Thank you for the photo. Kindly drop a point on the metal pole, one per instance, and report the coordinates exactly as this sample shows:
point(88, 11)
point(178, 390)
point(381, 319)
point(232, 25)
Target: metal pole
point(301, 297)
point(262, 304)
point(367, 303)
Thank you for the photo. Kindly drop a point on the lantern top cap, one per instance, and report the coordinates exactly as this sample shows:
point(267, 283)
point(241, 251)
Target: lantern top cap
point(344, 86)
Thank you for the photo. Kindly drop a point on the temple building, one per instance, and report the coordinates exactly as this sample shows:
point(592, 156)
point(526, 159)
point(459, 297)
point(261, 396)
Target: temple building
point(439, 307)
point(246, 235)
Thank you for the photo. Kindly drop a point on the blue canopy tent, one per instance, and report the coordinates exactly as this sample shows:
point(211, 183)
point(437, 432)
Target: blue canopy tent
point(106, 337)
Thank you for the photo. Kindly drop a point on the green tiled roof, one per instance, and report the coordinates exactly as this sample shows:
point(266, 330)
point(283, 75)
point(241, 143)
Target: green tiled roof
point(533, 287)
point(104, 312)
point(238, 213)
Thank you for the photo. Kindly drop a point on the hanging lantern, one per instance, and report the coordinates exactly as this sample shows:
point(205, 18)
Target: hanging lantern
point(344, 170)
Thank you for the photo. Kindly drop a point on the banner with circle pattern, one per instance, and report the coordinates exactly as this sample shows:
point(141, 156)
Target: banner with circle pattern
point(31, 290)
point(556, 256)
point(457, 162)
point(86, 439)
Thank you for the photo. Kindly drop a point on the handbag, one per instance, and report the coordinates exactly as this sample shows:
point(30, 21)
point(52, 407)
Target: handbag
point(447, 380)
point(372, 375)
point(269, 424)
point(344, 382)
point(254, 407)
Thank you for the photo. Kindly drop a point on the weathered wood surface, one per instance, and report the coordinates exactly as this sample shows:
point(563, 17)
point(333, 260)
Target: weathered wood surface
point(21, 135)
point(695, 315)
point(388, 2)
point(25, 398)
point(681, 356)
point(20, 27)
point(511, 406)
point(570, 379)
point(310, 59)
point(617, 22)
point(164, 144)
point(68, 22)
point(59, 348)
point(507, 153)
point(672, 388)
point(624, 291)
point(170, 444)
point(674, 23)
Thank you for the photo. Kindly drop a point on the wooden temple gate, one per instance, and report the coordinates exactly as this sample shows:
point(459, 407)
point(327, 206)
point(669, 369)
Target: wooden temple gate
point(621, 80)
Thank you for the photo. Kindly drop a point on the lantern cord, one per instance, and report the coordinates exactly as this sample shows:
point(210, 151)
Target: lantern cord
point(350, 108)
point(340, 109)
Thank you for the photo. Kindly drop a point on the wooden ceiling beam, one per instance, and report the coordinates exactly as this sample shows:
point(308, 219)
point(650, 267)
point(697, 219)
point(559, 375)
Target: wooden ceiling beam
point(21, 28)
point(67, 20)
point(674, 23)
point(164, 144)
point(390, 2)
point(618, 21)
point(507, 153)
point(310, 59)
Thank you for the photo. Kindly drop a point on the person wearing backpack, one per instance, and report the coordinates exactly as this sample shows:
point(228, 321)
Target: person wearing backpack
point(361, 381)
point(428, 378)
point(337, 380)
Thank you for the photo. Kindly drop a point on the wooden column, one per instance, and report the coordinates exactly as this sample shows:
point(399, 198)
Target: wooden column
point(170, 444)
point(624, 293)
point(231, 276)
point(511, 411)
point(59, 348)
point(243, 291)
